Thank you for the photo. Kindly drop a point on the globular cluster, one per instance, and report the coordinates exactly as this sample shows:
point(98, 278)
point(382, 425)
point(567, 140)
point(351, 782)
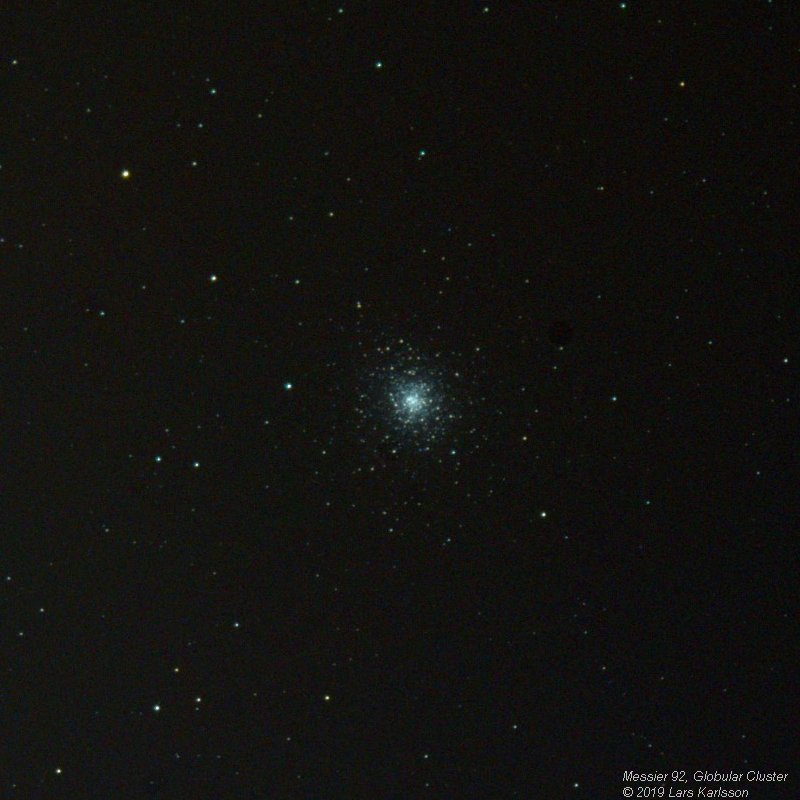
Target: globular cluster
point(414, 402)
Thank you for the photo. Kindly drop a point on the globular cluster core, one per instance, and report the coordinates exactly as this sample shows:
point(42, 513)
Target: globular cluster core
point(415, 402)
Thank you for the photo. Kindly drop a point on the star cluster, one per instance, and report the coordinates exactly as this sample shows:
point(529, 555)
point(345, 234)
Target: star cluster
point(412, 402)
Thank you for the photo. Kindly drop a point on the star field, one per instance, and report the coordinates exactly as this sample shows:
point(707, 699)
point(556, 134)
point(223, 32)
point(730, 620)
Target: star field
point(397, 402)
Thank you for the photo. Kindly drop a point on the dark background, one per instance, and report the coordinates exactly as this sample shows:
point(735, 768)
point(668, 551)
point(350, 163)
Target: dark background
point(585, 208)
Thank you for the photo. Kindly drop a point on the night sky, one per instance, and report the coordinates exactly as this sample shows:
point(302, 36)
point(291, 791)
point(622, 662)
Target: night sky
point(399, 400)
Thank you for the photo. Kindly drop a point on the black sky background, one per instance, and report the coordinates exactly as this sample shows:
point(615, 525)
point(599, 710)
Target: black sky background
point(603, 578)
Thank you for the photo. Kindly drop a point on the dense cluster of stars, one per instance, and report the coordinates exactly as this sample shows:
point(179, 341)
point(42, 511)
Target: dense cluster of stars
point(413, 402)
